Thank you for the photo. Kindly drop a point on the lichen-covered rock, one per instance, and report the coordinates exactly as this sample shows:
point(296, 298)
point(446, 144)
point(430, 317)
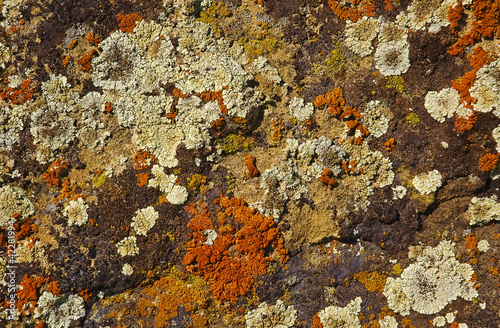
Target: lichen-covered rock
point(76, 212)
point(128, 246)
point(14, 200)
point(334, 316)
point(429, 182)
point(360, 34)
point(443, 104)
point(275, 316)
point(483, 210)
point(431, 283)
point(144, 220)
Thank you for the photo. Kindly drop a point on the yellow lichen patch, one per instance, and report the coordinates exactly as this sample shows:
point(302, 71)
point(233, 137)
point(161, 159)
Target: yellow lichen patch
point(337, 59)
point(412, 119)
point(99, 180)
point(263, 43)
point(196, 181)
point(373, 281)
point(165, 296)
point(236, 142)
point(214, 12)
point(395, 82)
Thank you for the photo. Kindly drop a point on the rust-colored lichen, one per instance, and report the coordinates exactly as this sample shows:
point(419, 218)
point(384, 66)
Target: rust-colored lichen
point(85, 294)
point(196, 181)
point(349, 166)
point(92, 39)
point(68, 192)
point(373, 281)
point(18, 96)
point(252, 170)
point(169, 294)
point(465, 123)
point(126, 23)
point(109, 107)
point(232, 273)
point(470, 242)
point(53, 173)
point(359, 9)
point(214, 96)
point(29, 292)
point(54, 288)
point(388, 5)
point(485, 25)
point(317, 322)
point(142, 179)
point(218, 124)
point(389, 144)
point(327, 178)
point(72, 44)
point(455, 12)
point(66, 60)
point(143, 159)
point(278, 128)
point(86, 61)
point(333, 100)
point(488, 162)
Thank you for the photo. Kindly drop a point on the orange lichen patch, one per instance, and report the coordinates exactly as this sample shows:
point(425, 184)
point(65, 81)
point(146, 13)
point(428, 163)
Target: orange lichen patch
point(333, 100)
point(454, 325)
point(166, 296)
point(317, 322)
point(29, 292)
point(54, 288)
point(126, 23)
point(214, 96)
point(480, 57)
point(142, 179)
point(240, 120)
point(351, 125)
point(25, 228)
point(41, 324)
point(86, 61)
point(53, 172)
point(388, 5)
point(177, 93)
point(359, 9)
point(455, 12)
point(493, 270)
point(373, 281)
point(85, 294)
point(349, 166)
point(196, 181)
point(465, 123)
point(201, 221)
point(252, 170)
point(389, 144)
point(462, 85)
point(485, 25)
point(66, 61)
point(68, 192)
point(109, 107)
point(92, 39)
point(72, 44)
point(21, 95)
point(232, 273)
point(218, 124)
point(277, 129)
point(470, 242)
point(259, 2)
point(143, 159)
point(406, 323)
point(488, 162)
point(327, 178)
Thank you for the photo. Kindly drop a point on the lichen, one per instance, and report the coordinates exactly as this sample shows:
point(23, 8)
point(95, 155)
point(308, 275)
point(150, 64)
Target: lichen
point(127, 269)
point(299, 110)
point(128, 246)
point(427, 183)
point(14, 200)
point(76, 212)
point(374, 118)
point(483, 210)
point(431, 283)
point(275, 316)
point(443, 104)
point(144, 220)
point(175, 194)
point(360, 34)
point(334, 316)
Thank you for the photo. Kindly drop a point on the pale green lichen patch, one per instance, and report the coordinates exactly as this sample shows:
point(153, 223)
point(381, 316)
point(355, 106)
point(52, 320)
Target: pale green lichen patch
point(431, 283)
point(128, 246)
point(483, 210)
point(335, 316)
point(144, 220)
point(175, 194)
point(14, 200)
point(275, 316)
point(427, 183)
point(76, 212)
